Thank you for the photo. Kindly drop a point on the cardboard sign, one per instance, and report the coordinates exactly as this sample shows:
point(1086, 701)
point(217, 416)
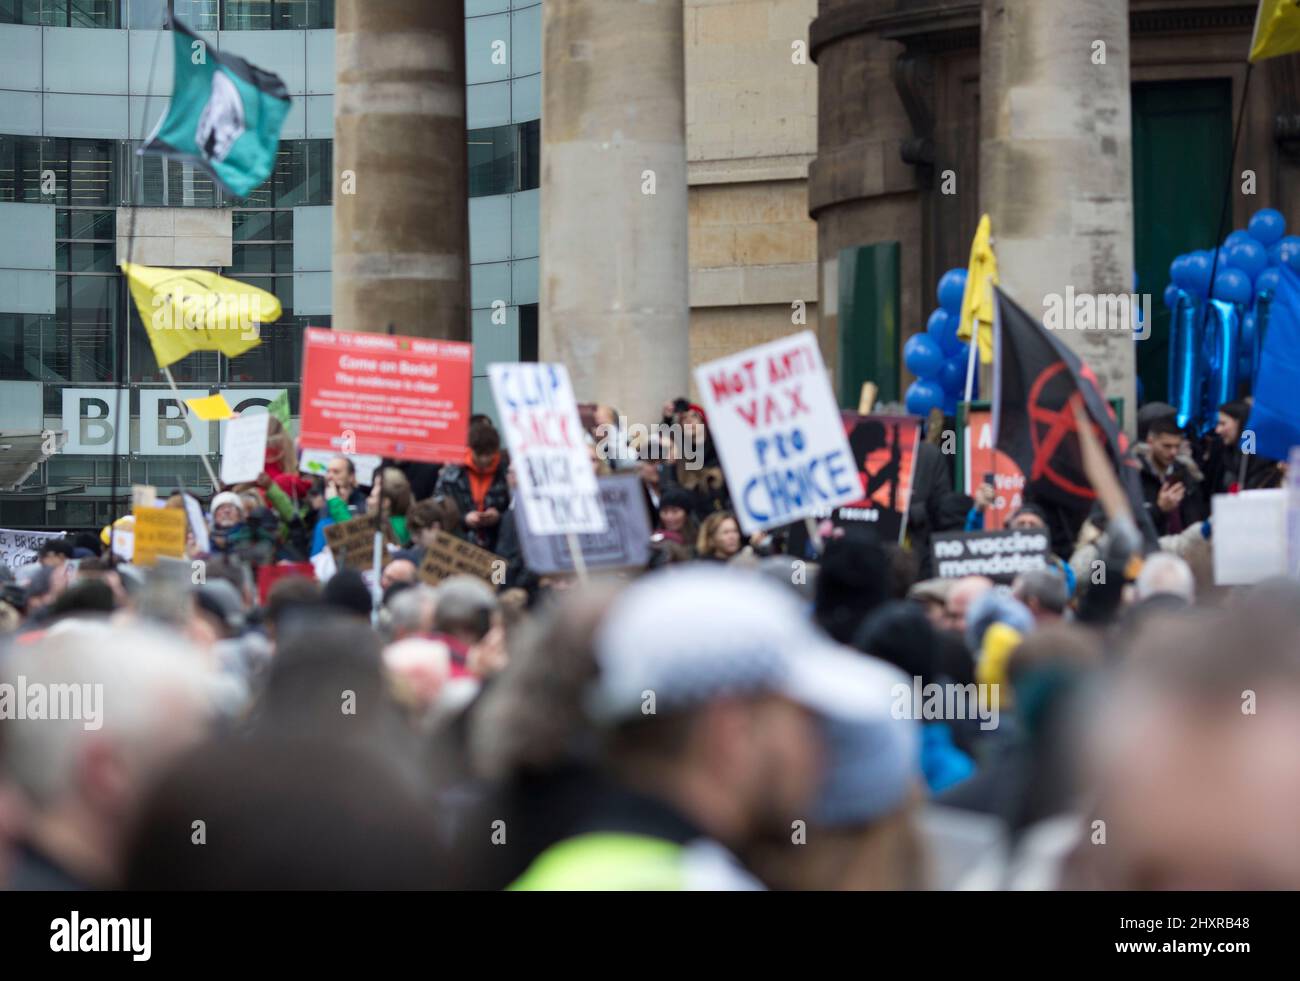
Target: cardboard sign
point(1000, 555)
point(625, 544)
point(353, 542)
point(1250, 536)
point(243, 452)
point(382, 395)
point(452, 556)
point(269, 575)
point(159, 532)
point(19, 548)
point(539, 416)
point(778, 432)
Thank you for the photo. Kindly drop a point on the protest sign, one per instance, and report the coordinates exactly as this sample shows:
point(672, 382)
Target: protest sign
point(269, 575)
point(19, 548)
point(1250, 536)
point(539, 417)
point(979, 459)
point(316, 463)
point(383, 395)
point(143, 496)
point(159, 532)
point(353, 542)
point(624, 544)
point(243, 452)
point(452, 556)
point(778, 432)
point(884, 449)
point(198, 527)
point(1000, 555)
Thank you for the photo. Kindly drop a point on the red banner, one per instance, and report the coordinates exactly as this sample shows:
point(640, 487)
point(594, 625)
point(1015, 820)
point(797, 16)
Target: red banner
point(982, 459)
point(400, 397)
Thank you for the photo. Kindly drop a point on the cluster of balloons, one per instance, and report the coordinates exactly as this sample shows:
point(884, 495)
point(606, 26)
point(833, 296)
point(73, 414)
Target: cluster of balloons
point(937, 357)
point(1248, 263)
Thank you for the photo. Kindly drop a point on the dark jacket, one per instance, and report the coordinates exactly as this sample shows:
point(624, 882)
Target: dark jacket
point(1183, 470)
point(454, 481)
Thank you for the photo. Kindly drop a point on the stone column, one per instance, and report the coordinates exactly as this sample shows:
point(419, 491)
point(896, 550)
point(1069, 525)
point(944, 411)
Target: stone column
point(614, 288)
point(401, 225)
point(1056, 167)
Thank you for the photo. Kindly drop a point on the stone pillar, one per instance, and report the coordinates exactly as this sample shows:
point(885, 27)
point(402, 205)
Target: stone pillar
point(401, 237)
point(614, 287)
point(1056, 167)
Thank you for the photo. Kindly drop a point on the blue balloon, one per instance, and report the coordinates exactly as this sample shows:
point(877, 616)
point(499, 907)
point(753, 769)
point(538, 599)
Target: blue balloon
point(1233, 285)
point(1234, 237)
point(952, 286)
point(1198, 273)
point(1248, 256)
point(950, 405)
point(922, 396)
point(943, 329)
point(1171, 295)
point(1280, 252)
point(1267, 280)
point(952, 376)
point(1267, 226)
point(962, 354)
point(1180, 272)
point(923, 357)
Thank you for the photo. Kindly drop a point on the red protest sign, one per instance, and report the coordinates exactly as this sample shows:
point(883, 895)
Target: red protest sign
point(400, 397)
point(269, 575)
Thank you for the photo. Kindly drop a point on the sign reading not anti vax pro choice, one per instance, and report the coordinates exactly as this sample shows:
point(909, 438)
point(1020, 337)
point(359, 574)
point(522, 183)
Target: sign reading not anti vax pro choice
point(405, 398)
point(777, 428)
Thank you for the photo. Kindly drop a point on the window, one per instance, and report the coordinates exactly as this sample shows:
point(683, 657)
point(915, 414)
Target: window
point(161, 182)
point(151, 15)
point(278, 15)
point(61, 13)
point(504, 159)
point(302, 176)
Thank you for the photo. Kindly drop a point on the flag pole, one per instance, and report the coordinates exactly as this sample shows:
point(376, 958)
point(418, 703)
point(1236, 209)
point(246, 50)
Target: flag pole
point(575, 550)
point(216, 484)
point(970, 360)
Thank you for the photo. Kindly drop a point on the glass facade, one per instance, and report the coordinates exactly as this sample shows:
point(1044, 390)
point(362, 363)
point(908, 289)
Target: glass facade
point(93, 338)
point(199, 15)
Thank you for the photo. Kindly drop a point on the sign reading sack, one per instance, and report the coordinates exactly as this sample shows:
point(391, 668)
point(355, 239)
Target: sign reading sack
point(1250, 536)
point(539, 416)
point(379, 394)
point(452, 556)
point(19, 548)
point(159, 532)
point(778, 432)
point(624, 544)
point(1000, 555)
point(353, 542)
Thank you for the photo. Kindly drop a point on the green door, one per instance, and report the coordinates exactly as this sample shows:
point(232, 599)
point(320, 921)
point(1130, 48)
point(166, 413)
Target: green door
point(1182, 138)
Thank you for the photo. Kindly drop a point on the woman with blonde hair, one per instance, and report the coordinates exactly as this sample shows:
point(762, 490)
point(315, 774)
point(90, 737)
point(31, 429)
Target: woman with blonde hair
point(719, 539)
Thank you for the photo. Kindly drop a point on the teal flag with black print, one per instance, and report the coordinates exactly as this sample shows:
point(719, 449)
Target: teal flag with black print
point(225, 114)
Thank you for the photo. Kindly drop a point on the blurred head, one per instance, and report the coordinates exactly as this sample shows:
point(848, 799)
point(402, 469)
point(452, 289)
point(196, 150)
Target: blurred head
point(1164, 438)
point(960, 597)
point(719, 536)
point(391, 487)
point(1232, 420)
point(55, 552)
point(1164, 573)
point(227, 509)
point(466, 606)
point(1192, 757)
point(484, 441)
point(122, 703)
point(411, 611)
point(398, 570)
point(1043, 592)
point(1028, 518)
point(430, 516)
point(342, 473)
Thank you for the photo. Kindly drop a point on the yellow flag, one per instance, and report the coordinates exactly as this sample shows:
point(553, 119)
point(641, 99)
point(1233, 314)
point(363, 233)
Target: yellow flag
point(186, 310)
point(977, 301)
point(1277, 29)
point(211, 409)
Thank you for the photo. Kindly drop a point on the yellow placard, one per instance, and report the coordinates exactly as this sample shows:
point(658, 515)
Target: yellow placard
point(211, 409)
point(159, 532)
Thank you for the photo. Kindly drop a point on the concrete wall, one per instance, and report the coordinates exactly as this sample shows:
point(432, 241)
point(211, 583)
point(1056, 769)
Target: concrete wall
point(199, 237)
point(751, 131)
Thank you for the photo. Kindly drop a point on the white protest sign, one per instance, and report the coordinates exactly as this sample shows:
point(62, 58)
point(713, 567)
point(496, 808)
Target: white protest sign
point(243, 453)
point(198, 527)
point(539, 416)
point(1249, 536)
point(19, 548)
point(777, 428)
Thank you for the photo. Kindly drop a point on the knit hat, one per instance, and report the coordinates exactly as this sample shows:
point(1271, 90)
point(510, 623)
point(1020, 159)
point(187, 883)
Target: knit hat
point(227, 497)
point(676, 497)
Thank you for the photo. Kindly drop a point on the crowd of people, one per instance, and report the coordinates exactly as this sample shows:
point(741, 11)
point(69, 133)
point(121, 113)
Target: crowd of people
point(776, 710)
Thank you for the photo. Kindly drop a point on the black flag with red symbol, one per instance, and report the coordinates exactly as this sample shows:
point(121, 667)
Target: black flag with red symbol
point(1037, 382)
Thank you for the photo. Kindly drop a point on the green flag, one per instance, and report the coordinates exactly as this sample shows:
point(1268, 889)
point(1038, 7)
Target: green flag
point(225, 114)
point(280, 409)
